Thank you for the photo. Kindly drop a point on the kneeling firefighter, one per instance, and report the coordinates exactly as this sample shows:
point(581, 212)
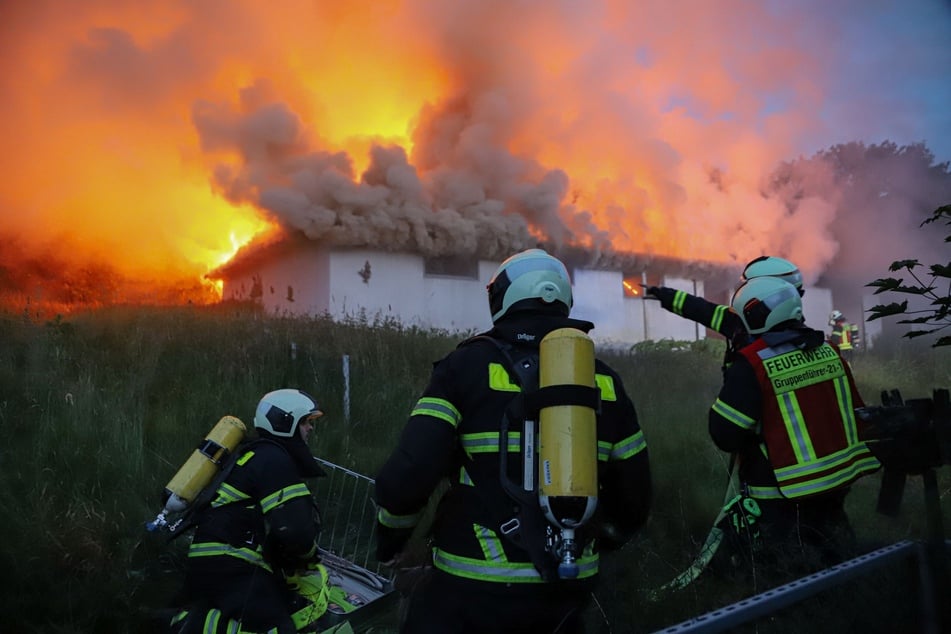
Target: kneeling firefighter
point(261, 526)
point(546, 462)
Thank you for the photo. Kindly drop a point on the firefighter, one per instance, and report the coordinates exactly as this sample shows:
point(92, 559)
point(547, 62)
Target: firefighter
point(844, 336)
point(718, 317)
point(262, 524)
point(787, 409)
point(483, 580)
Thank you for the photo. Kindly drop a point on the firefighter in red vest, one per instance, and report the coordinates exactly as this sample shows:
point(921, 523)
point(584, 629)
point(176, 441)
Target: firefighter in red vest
point(787, 410)
point(845, 335)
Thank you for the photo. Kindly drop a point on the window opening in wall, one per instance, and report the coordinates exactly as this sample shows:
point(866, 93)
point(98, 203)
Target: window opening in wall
point(452, 266)
point(634, 283)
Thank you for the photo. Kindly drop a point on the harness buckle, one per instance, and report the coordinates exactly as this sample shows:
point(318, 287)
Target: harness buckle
point(510, 526)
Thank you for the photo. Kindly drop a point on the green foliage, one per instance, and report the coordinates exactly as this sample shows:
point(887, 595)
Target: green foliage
point(939, 317)
point(99, 410)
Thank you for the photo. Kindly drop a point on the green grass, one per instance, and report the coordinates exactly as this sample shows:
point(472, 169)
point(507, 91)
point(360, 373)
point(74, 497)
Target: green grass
point(98, 410)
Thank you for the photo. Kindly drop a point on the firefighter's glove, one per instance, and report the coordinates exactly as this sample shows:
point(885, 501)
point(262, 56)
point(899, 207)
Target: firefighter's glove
point(390, 543)
point(664, 294)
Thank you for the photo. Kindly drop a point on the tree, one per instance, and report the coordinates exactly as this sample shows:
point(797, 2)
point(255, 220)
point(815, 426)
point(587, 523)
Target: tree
point(933, 319)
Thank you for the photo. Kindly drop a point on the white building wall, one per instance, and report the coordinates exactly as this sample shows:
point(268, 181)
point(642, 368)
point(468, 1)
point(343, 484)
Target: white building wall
point(598, 298)
point(816, 307)
point(396, 287)
point(296, 284)
point(378, 285)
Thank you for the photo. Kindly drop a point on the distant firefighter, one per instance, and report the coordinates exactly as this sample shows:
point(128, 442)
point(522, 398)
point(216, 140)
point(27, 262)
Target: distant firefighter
point(845, 336)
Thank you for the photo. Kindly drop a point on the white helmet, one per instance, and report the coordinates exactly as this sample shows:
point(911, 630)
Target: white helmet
point(531, 274)
point(280, 412)
point(835, 316)
point(771, 266)
point(764, 302)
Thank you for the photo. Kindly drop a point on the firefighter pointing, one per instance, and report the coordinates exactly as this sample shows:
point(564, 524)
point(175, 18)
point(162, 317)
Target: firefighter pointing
point(719, 317)
point(543, 452)
point(787, 409)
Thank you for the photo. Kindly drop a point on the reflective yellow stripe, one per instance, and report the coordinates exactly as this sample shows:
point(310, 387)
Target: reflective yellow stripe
point(500, 572)
point(391, 520)
point(218, 549)
point(678, 303)
point(499, 379)
point(490, 544)
point(437, 408)
point(765, 493)
point(831, 480)
point(799, 436)
point(227, 494)
point(733, 415)
point(606, 385)
point(717, 322)
point(286, 494)
point(488, 442)
point(628, 447)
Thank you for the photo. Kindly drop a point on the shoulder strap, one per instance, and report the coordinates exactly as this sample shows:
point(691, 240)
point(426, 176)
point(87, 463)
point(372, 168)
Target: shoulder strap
point(519, 519)
point(205, 497)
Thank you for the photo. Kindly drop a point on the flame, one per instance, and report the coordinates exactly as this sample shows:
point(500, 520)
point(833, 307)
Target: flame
point(159, 137)
point(631, 289)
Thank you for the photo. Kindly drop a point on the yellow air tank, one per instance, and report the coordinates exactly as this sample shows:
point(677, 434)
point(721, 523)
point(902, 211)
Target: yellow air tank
point(203, 463)
point(568, 441)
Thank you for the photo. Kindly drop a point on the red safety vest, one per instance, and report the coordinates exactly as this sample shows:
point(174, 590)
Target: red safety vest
point(808, 420)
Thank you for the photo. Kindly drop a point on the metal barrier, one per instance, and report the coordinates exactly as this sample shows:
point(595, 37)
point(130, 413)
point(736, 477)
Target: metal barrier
point(772, 600)
point(348, 513)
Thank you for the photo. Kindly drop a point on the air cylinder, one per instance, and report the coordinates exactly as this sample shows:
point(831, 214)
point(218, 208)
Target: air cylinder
point(568, 439)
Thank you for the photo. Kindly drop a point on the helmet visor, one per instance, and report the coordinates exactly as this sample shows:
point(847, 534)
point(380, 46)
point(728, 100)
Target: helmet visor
point(311, 417)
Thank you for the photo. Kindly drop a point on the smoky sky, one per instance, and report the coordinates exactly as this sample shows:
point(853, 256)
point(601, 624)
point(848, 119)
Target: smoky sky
point(470, 127)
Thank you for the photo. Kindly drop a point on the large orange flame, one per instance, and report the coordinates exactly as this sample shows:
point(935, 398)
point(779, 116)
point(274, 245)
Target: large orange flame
point(637, 127)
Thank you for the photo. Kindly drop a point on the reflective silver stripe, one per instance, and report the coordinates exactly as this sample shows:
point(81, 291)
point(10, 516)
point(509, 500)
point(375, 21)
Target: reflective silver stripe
point(818, 485)
point(488, 442)
point(736, 417)
point(796, 427)
point(827, 462)
point(512, 572)
point(489, 541)
point(286, 494)
point(437, 408)
point(217, 549)
point(464, 477)
point(629, 446)
point(391, 520)
point(604, 450)
point(765, 493)
point(211, 621)
point(227, 494)
point(846, 409)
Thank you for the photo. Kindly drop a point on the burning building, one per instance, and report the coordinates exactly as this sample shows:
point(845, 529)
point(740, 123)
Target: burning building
point(296, 277)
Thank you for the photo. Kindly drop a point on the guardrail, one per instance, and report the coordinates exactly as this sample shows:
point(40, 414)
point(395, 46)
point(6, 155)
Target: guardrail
point(348, 513)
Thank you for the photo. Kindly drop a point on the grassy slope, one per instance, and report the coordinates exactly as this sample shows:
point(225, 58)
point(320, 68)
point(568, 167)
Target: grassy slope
point(98, 410)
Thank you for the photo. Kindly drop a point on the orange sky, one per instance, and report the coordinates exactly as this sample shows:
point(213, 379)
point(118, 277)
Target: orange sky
point(157, 135)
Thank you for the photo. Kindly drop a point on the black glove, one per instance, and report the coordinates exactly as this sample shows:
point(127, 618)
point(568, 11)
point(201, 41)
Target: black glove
point(664, 294)
point(390, 542)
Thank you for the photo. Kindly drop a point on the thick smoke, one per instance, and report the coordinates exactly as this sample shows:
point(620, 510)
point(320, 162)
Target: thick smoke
point(469, 127)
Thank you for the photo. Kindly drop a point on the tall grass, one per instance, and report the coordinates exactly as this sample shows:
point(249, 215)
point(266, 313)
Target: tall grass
point(99, 409)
